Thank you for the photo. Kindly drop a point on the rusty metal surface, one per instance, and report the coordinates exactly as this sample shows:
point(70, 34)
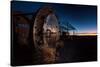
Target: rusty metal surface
point(45, 39)
point(33, 32)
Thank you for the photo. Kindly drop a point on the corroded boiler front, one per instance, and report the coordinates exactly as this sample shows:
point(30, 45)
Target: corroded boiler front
point(46, 34)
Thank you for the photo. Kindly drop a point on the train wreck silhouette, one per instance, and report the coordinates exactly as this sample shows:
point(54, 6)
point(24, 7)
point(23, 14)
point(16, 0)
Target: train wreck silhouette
point(43, 31)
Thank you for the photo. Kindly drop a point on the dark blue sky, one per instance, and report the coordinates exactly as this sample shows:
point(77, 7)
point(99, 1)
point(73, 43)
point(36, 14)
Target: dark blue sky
point(83, 18)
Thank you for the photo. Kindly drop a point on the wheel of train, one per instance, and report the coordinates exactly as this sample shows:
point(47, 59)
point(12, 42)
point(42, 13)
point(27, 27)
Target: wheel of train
point(46, 28)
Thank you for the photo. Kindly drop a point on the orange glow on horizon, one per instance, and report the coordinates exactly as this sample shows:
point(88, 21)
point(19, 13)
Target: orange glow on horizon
point(87, 34)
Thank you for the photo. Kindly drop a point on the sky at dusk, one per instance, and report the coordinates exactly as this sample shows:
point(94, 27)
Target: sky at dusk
point(83, 18)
